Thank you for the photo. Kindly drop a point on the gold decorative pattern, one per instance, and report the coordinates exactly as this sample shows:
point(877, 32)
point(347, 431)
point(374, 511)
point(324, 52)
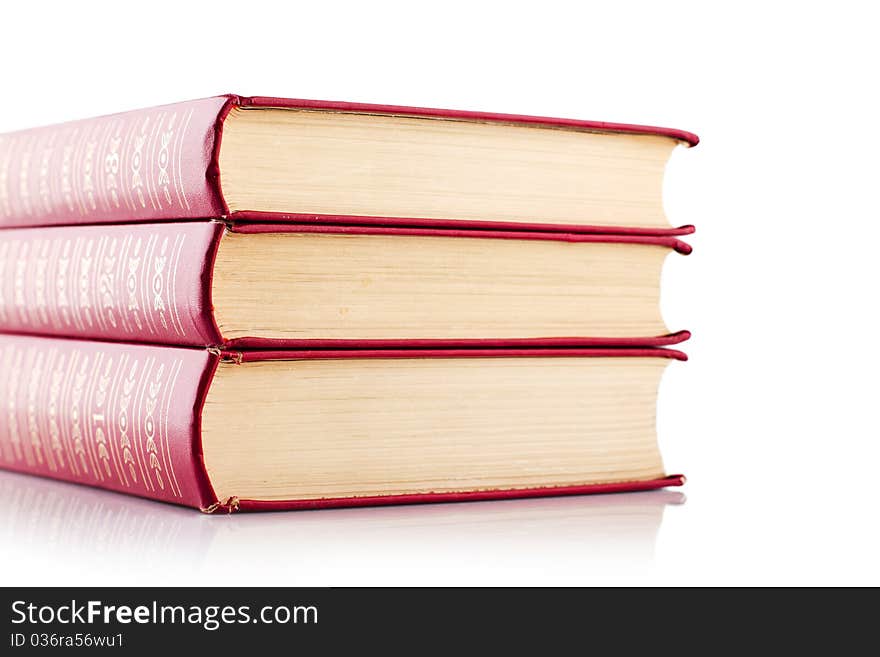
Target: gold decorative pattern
point(42, 250)
point(63, 413)
point(44, 185)
point(36, 363)
point(18, 280)
point(75, 418)
point(4, 253)
point(165, 440)
point(6, 448)
point(7, 145)
point(55, 381)
point(99, 167)
point(172, 286)
point(62, 298)
point(111, 166)
point(156, 286)
point(67, 171)
point(123, 423)
point(150, 425)
point(131, 285)
point(137, 422)
point(24, 168)
point(181, 190)
point(13, 366)
point(98, 416)
point(101, 283)
point(84, 304)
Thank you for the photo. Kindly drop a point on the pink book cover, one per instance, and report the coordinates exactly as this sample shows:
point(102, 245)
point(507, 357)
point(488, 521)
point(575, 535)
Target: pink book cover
point(161, 164)
point(153, 283)
point(127, 418)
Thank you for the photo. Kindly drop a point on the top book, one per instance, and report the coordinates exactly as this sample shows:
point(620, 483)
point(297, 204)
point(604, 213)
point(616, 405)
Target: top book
point(301, 161)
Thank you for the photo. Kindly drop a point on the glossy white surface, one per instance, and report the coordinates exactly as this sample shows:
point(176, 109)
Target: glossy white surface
point(774, 419)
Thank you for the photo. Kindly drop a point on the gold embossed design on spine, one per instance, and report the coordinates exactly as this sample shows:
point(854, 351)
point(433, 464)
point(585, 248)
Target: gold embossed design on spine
point(55, 380)
point(94, 415)
point(19, 278)
point(98, 417)
point(156, 284)
point(164, 442)
point(37, 363)
point(42, 249)
point(137, 437)
point(84, 278)
point(13, 365)
point(76, 414)
point(107, 284)
point(6, 150)
point(24, 169)
point(44, 171)
point(131, 284)
point(4, 276)
point(150, 424)
point(123, 421)
point(111, 425)
point(7, 452)
point(62, 283)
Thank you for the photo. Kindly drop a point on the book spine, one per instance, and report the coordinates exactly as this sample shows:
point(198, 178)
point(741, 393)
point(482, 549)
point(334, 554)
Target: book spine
point(146, 165)
point(133, 283)
point(116, 416)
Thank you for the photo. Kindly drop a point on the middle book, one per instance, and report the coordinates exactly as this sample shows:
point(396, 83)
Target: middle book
point(206, 283)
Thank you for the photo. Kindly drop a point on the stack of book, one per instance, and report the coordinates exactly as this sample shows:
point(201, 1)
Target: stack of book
point(265, 303)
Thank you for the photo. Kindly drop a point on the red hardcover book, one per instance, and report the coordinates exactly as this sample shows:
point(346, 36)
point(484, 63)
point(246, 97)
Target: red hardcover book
point(301, 161)
point(309, 429)
point(320, 286)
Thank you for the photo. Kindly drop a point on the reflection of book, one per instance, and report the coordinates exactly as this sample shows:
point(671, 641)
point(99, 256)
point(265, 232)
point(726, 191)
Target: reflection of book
point(64, 527)
point(549, 541)
point(604, 525)
point(83, 536)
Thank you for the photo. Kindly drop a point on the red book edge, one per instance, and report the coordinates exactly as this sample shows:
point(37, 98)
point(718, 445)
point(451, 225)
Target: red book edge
point(667, 241)
point(269, 344)
point(248, 216)
point(235, 504)
point(688, 138)
point(336, 354)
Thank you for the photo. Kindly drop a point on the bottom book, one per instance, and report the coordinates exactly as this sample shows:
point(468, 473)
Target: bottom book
point(228, 431)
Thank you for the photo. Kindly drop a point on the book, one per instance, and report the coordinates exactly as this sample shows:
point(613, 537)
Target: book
point(248, 430)
point(300, 161)
point(206, 283)
point(56, 522)
point(53, 521)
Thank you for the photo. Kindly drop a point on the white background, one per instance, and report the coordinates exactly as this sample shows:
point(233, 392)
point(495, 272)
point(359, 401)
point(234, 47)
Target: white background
point(775, 417)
